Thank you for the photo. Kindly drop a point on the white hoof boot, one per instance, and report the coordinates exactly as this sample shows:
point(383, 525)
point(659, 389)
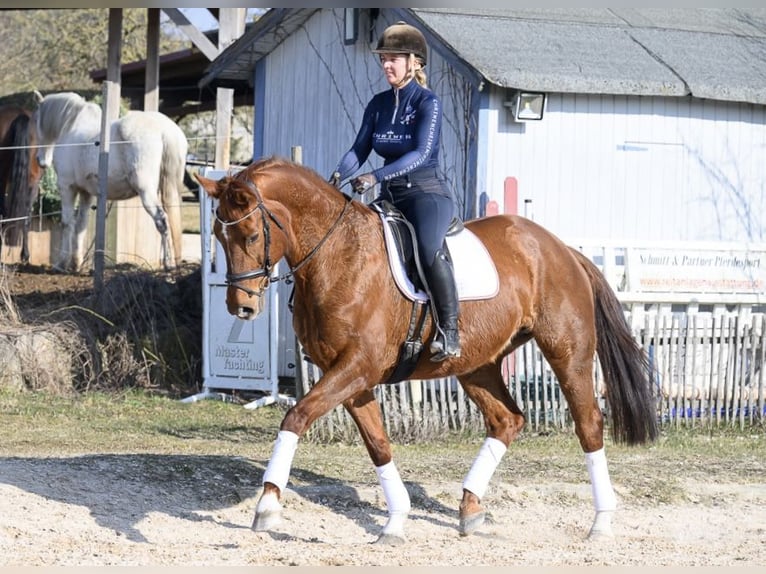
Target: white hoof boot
point(268, 513)
point(602, 526)
point(393, 531)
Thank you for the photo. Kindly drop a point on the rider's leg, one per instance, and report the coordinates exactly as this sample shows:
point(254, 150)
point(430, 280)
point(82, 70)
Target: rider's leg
point(444, 300)
point(430, 215)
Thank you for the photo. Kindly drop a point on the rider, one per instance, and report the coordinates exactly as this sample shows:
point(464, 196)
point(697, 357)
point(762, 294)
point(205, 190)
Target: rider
point(403, 125)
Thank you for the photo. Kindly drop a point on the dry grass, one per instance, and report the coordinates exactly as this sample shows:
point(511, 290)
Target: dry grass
point(144, 332)
point(190, 215)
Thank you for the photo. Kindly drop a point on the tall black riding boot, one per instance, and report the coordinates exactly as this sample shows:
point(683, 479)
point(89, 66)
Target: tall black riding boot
point(444, 303)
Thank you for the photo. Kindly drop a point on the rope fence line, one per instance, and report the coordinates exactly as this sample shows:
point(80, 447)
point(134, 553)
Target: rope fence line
point(97, 143)
point(31, 217)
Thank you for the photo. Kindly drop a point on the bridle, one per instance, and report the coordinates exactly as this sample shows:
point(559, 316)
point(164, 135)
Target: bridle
point(234, 279)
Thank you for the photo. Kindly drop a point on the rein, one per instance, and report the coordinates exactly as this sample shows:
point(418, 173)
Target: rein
point(233, 279)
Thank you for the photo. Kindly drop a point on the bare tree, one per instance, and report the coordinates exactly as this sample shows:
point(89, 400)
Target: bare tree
point(55, 49)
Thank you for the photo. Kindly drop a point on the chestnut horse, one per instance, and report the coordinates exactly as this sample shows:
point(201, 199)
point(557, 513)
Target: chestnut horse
point(20, 175)
point(351, 319)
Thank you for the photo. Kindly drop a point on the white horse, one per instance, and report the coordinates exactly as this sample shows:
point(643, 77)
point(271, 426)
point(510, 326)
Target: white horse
point(147, 157)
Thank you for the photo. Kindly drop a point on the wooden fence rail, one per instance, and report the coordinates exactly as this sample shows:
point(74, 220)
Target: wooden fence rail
point(708, 371)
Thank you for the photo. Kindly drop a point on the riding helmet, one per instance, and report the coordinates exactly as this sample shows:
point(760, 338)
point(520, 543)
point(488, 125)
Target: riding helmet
point(401, 38)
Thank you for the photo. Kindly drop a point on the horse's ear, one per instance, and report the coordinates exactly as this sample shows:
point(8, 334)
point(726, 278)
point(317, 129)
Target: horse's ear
point(209, 185)
point(38, 97)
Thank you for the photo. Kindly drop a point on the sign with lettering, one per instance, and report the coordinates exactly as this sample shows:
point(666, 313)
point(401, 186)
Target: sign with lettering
point(659, 269)
point(238, 350)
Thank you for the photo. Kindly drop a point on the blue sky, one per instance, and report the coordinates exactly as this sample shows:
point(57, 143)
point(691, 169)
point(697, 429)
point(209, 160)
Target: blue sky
point(205, 21)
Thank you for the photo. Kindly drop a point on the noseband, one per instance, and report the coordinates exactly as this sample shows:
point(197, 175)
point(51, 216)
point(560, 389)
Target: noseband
point(234, 279)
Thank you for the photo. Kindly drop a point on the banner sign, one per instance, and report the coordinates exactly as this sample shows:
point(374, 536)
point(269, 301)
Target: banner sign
point(659, 269)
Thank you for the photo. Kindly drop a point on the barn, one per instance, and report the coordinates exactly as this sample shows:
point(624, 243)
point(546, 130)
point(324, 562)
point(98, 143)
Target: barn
point(651, 123)
point(637, 135)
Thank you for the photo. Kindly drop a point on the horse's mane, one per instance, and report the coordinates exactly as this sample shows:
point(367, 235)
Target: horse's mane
point(276, 162)
point(56, 113)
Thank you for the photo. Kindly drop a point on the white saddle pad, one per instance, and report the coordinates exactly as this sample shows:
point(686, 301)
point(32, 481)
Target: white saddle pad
point(475, 272)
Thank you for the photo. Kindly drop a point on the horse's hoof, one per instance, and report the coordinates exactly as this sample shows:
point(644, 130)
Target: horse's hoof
point(600, 536)
point(470, 524)
point(390, 539)
point(268, 512)
point(601, 530)
point(266, 520)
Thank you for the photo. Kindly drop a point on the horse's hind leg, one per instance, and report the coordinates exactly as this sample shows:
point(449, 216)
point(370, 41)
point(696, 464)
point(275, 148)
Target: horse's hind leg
point(573, 364)
point(503, 421)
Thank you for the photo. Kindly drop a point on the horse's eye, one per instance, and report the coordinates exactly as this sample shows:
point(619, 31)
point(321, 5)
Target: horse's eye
point(252, 239)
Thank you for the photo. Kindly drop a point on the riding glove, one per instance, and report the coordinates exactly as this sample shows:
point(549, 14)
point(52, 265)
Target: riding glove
point(363, 182)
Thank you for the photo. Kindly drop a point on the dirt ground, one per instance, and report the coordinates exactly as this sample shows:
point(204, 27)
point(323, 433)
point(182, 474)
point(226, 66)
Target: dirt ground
point(35, 285)
point(99, 510)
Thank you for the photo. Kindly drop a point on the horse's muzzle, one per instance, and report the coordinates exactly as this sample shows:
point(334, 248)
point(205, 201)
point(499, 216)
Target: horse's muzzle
point(244, 304)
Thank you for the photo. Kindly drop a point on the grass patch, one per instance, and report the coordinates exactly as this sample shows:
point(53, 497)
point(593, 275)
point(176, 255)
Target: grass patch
point(190, 217)
point(135, 421)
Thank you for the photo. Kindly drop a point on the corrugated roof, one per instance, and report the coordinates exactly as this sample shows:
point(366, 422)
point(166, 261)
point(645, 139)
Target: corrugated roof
point(717, 53)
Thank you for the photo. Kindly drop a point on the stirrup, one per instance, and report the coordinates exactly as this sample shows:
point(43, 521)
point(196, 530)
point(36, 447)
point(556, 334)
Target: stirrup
point(444, 346)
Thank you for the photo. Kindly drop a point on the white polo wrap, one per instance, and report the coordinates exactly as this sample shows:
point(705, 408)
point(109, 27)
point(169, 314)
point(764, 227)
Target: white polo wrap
point(278, 469)
point(601, 486)
point(482, 469)
point(397, 498)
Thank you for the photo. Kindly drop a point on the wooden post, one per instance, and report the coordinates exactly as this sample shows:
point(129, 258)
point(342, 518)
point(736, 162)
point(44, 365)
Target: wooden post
point(152, 79)
point(110, 108)
point(231, 27)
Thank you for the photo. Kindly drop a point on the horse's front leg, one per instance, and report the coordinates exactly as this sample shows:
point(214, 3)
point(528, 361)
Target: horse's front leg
point(64, 260)
point(81, 226)
point(365, 411)
point(337, 385)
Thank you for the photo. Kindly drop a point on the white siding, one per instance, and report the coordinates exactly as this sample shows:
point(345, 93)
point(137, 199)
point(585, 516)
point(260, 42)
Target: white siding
point(617, 167)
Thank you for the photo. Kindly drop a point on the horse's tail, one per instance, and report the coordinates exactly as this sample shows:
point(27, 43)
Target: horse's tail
point(625, 365)
point(21, 191)
point(172, 171)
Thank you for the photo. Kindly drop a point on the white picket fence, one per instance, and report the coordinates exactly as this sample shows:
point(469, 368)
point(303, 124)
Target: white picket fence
point(707, 349)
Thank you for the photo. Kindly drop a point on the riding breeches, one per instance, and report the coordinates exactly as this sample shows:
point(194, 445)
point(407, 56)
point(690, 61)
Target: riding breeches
point(428, 209)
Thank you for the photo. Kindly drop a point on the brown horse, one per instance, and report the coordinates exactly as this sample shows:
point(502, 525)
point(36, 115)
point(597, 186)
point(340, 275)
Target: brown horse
point(351, 319)
point(20, 175)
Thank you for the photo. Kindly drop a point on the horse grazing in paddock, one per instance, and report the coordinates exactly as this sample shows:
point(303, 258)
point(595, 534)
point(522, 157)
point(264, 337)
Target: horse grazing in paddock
point(20, 175)
point(352, 318)
point(147, 158)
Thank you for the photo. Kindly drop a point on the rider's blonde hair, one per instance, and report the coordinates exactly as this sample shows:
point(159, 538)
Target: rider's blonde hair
point(416, 65)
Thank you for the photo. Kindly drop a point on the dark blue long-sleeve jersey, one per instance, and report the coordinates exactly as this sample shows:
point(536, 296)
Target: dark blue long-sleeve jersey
point(403, 126)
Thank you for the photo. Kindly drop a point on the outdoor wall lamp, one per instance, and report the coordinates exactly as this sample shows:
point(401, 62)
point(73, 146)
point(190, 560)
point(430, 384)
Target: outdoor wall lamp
point(527, 106)
point(350, 25)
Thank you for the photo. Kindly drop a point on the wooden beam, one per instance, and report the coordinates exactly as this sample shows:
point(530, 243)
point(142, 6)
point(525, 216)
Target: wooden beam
point(198, 38)
point(110, 109)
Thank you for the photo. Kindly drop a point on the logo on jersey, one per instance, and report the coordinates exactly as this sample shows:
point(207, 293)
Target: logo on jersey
point(408, 117)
